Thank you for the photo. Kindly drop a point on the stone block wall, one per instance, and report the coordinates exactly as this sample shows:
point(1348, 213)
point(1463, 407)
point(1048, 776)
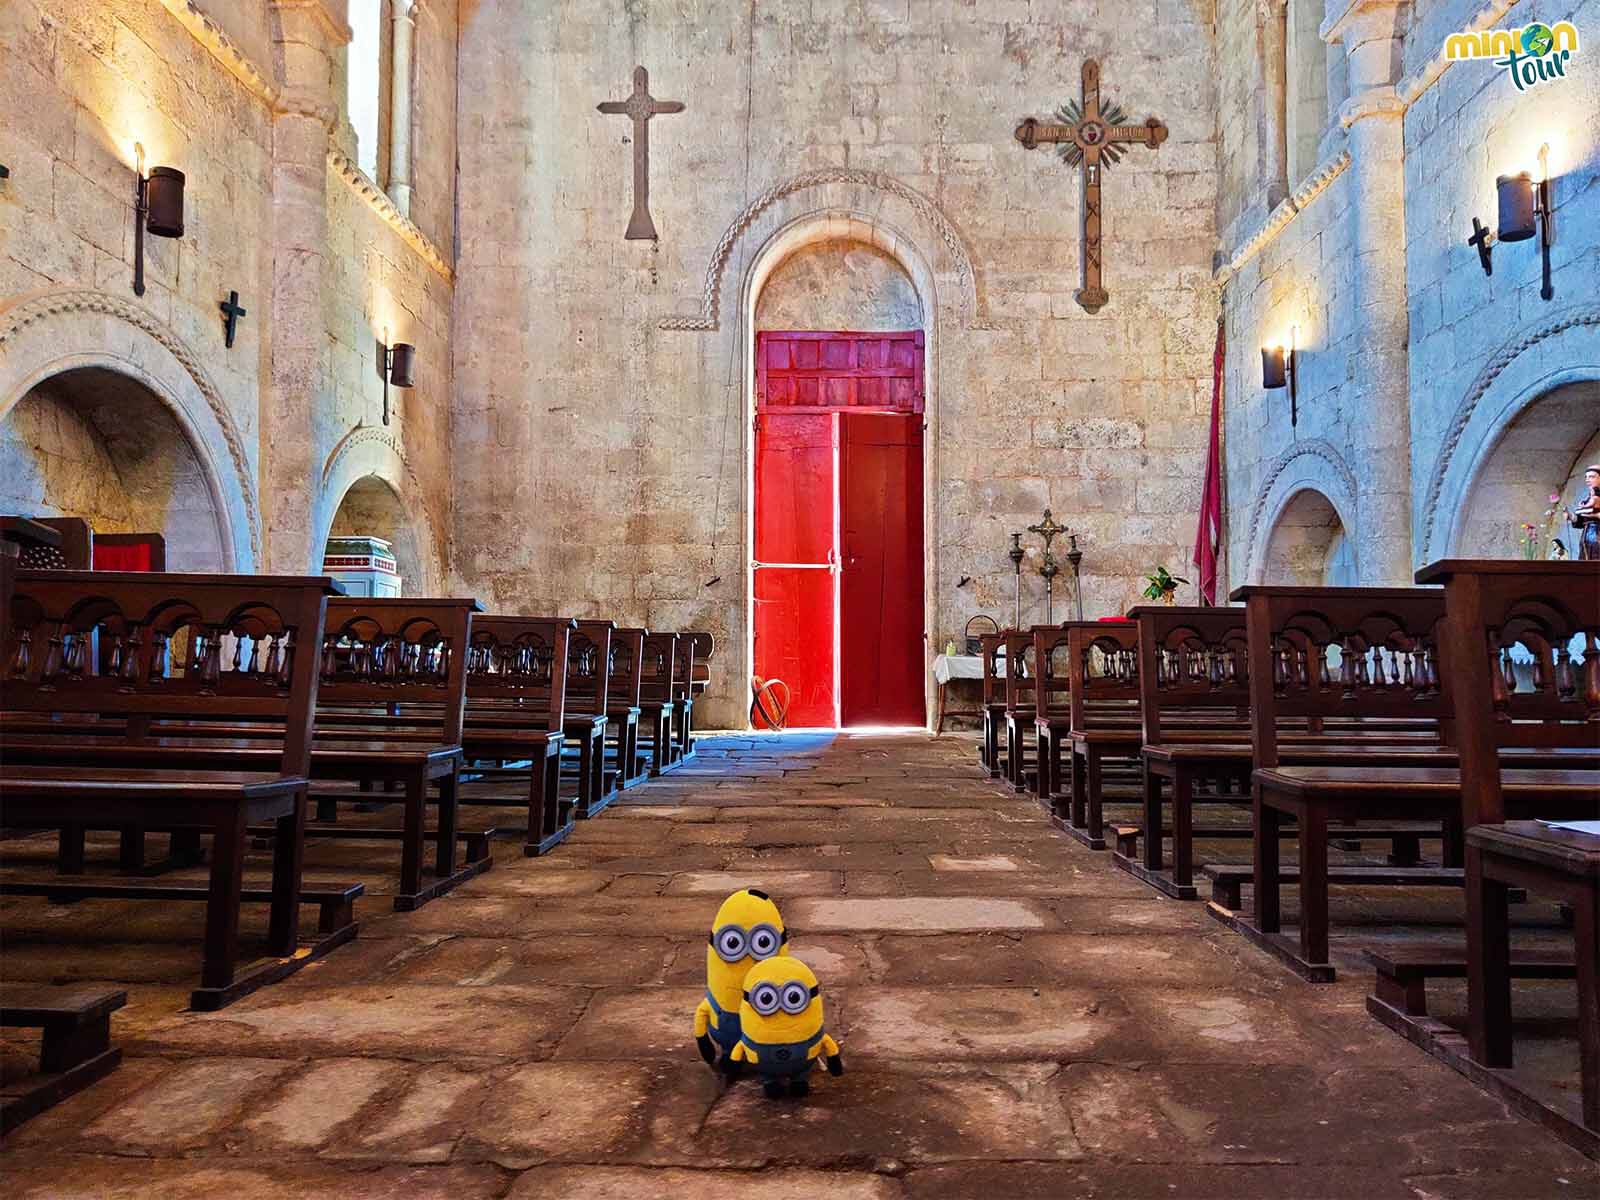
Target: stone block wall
point(609, 455)
point(200, 86)
point(1478, 349)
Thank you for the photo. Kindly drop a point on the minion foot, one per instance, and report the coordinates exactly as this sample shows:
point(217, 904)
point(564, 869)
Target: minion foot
point(773, 1088)
point(800, 1087)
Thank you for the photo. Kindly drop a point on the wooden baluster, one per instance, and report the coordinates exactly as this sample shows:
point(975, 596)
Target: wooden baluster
point(273, 655)
point(1541, 674)
point(1566, 682)
point(212, 675)
point(287, 648)
point(255, 658)
point(131, 664)
point(52, 656)
point(160, 647)
point(22, 658)
point(114, 659)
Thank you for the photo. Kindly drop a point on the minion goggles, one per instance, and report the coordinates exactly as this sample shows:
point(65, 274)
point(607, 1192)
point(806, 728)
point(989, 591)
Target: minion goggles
point(793, 997)
point(734, 942)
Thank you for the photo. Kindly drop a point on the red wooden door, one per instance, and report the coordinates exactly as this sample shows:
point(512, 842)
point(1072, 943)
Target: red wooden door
point(881, 659)
point(839, 484)
point(795, 582)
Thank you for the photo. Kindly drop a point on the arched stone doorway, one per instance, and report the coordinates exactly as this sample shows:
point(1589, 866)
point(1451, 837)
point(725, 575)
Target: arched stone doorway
point(97, 443)
point(845, 279)
point(1308, 546)
point(372, 508)
point(1538, 453)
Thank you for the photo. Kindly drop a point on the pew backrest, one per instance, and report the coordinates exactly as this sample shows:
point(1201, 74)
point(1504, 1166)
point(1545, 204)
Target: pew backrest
point(1019, 670)
point(589, 667)
point(627, 667)
point(145, 646)
point(687, 658)
point(1193, 664)
point(400, 654)
point(520, 663)
point(1350, 654)
point(1523, 657)
point(992, 649)
point(659, 667)
point(1103, 658)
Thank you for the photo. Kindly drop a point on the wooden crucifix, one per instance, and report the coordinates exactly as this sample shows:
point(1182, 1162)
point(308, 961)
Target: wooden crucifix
point(1095, 137)
point(641, 106)
point(231, 312)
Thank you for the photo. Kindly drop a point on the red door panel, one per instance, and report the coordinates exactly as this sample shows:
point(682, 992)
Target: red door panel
point(881, 657)
point(794, 605)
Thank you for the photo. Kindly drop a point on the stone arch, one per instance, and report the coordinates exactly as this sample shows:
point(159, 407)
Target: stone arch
point(1307, 467)
point(816, 227)
point(1555, 352)
point(1308, 544)
point(876, 192)
point(44, 334)
point(372, 453)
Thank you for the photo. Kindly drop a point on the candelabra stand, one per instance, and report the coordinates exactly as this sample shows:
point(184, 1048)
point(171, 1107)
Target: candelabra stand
point(1075, 557)
point(1016, 553)
point(1048, 529)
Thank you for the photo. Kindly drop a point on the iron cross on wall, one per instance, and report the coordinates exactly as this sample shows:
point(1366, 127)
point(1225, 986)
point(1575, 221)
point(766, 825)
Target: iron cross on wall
point(641, 106)
point(1094, 137)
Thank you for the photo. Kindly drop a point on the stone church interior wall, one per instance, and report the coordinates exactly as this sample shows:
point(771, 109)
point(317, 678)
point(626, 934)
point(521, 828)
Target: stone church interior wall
point(627, 438)
point(83, 82)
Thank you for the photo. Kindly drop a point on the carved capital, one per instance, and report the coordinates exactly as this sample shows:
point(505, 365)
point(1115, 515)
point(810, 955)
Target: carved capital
point(316, 14)
point(1364, 20)
point(306, 102)
point(1383, 102)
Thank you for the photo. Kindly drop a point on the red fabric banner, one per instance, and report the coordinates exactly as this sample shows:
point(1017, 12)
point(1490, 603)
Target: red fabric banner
point(1208, 534)
point(133, 557)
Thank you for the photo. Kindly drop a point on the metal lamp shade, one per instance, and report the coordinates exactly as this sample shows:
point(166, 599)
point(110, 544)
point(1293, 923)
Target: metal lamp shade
point(1272, 373)
point(402, 365)
point(164, 198)
point(1518, 204)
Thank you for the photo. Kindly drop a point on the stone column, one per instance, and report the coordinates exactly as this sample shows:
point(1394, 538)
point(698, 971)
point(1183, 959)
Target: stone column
point(1376, 395)
point(297, 382)
point(405, 29)
point(1272, 20)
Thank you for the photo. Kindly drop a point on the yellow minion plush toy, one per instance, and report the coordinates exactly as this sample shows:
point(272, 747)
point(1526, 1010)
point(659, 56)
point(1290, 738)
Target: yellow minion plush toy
point(747, 930)
point(780, 1027)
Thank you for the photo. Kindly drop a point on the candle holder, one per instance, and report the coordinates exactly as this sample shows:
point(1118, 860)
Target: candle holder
point(1017, 555)
point(1075, 557)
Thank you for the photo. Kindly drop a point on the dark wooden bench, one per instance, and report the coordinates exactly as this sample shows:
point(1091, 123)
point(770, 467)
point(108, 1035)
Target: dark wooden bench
point(992, 649)
point(1018, 687)
point(585, 710)
point(75, 1049)
point(516, 712)
point(1052, 716)
point(1341, 654)
point(1403, 972)
point(657, 688)
point(622, 706)
point(693, 646)
point(1523, 642)
point(136, 647)
point(1103, 696)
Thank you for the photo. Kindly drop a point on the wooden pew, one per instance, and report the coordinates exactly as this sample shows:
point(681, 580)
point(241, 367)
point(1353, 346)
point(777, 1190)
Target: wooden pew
point(1497, 611)
point(140, 647)
point(992, 647)
point(657, 689)
point(1052, 718)
point(516, 698)
point(691, 676)
point(1341, 654)
point(1019, 705)
point(588, 701)
point(389, 714)
point(1103, 689)
point(622, 705)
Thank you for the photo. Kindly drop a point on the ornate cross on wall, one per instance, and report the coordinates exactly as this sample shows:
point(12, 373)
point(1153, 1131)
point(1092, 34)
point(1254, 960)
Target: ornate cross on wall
point(1094, 137)
point(641, 106)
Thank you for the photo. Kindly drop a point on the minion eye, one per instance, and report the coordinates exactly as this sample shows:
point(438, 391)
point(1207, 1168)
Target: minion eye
point(730, 943)
point(764, 942)
point(795, 998)
point(765, 999)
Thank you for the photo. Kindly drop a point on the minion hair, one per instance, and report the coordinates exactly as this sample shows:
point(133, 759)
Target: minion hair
point(758, 894)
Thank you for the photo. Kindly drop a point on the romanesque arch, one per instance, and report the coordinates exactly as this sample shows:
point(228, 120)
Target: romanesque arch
point(369, 465)
point(1541, 362)
point(1307, 487)
point(48, 334)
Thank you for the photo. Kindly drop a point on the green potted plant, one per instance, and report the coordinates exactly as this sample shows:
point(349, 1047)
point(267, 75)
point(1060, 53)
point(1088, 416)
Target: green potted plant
point(1162, 585)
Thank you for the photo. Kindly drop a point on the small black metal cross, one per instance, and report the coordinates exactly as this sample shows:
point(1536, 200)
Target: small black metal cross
point(231, 312)
point(1483, 238)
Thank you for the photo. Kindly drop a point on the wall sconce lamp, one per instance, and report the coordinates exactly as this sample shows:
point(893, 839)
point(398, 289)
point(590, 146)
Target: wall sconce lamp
point(1278, 370)
point(157, 207)
point(397, 365)
point(1524, 211)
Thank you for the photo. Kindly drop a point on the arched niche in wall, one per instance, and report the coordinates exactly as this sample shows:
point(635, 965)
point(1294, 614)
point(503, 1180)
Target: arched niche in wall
point(63, 348)
point(839, 284)
point(1540, 452)
point(1308, 545)
point(368, 481)
point(98, 444)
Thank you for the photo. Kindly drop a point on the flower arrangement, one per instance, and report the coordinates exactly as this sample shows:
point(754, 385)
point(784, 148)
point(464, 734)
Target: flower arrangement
point(1161, 584)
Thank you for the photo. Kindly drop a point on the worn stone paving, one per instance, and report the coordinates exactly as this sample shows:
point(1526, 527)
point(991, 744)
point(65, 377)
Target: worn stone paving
point(1017, 1018)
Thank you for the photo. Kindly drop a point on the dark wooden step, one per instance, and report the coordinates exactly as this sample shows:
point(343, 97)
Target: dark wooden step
point(75, 1050)
point(1403, 972)
point(1227, 880)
